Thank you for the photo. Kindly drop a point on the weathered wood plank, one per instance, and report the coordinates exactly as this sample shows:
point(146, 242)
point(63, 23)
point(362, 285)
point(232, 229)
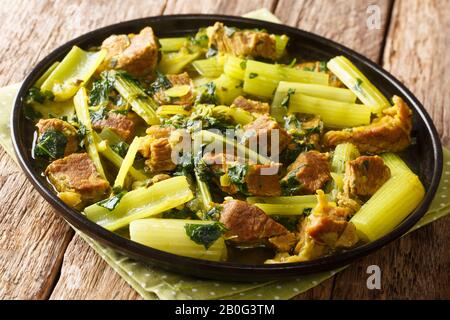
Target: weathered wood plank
point(415, 267)
point(85, 275)
point(345, 21)
point(33, 238)
point(230, 7)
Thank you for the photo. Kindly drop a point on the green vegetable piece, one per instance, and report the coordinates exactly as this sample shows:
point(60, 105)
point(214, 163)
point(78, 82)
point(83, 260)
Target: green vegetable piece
point(120, 148)
point(252, 75)
point(51, 145)
point(101, 88)
point(112, 202)
point(237, 175)
point(203, 234)
point(287, 98)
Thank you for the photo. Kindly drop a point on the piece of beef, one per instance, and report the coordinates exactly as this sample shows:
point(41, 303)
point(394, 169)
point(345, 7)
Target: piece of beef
point(365, 175)
point(156, 147)
point(247, 224)
point(388, 133)
point(241, 43)
point(252, 106)
point(136, 54)
point(123, 125)
point(177, 80)
point(77, 173)
point(308, 173)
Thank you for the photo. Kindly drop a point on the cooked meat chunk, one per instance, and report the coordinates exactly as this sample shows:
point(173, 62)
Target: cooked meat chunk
point(308, 173)
point(284, 243)
point(320, 66)
point(365, 175)
point(388, 133)
point(247, 224)
point(177, 80)
point(136, 54)
point(241, 43)
point(252, 106)
point(77, 173)
point(65, 128)
point(344, 200)
point(123, 125)
point(232, 175)
point(156, 147)
point(260, 132)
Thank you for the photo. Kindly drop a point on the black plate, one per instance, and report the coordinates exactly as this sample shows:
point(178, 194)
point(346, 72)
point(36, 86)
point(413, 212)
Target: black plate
point(425, 156)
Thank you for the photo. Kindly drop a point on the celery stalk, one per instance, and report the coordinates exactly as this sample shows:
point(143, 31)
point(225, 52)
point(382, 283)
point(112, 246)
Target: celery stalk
point(127, 163)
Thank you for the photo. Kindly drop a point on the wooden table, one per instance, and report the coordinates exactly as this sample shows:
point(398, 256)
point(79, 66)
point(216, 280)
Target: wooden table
point(39, 254)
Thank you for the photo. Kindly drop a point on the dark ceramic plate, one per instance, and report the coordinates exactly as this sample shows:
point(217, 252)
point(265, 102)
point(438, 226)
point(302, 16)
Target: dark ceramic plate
point(425, 156)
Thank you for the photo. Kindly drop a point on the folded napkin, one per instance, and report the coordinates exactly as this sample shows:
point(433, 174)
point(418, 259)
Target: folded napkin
point(154, 283)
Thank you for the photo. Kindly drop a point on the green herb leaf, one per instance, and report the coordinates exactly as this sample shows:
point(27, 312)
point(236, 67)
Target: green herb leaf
point(184, 213)
point(51, 145)
point(99, 115)
point(111, 203)
point(161, 83)
point(357, 85)
point(120, 148)
point(289, 222)
point(290, 185)
point(243, 64)
point(287, 98)
point(252, 75)
point(101, 88)
point(208, 95)
point(214, 213)
point(205, 234)
point(237, 174)
point(35, 95)
point(81, 133)
point(31, 114)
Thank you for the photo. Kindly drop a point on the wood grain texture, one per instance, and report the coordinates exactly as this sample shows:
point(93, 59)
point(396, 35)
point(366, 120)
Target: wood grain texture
point(33, 238)
point(344, 21)
point(85, 275)
point(416, 266)
point(230, 7)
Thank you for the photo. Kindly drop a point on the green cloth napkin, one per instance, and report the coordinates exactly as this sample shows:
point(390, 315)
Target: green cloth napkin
point(154, 283)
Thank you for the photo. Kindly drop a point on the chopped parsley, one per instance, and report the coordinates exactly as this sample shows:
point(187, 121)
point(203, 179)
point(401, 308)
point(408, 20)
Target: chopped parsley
point(208, 95)
point(237, 174)
point(289, 222)
point(100, 114)
point(205, 234)
point(101, 88)
point(287, 98)
point(357, 85)
point(120, 148)
point(243, 64)
point(290, 184)
point(111, 203)
point(161, 83)
point(214, 213)
point(81, 133)
point(252, 75)
point(35, 95)
point(51, 145)
point(184, 213)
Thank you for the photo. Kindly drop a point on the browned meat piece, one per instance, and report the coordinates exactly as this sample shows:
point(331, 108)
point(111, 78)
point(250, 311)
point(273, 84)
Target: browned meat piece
point(177, 80)
point(156, 147)
point(261, 130)
point(77, 174)
point(136, 54)
point(65, 128)
point(325, 229)
point(343, 200)
point(284, 243)
point(308, 173)
point(247, 224)
point(252, 106)
point(388, 133)
point(241, 43)
point(123, 125)
point(365, 175)
point(258, 179)
point(321, 66)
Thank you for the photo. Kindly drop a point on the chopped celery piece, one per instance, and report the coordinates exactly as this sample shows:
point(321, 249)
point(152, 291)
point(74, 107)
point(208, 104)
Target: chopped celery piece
point(285, 89)
point(235, 67)
point(343, 153)
point(356, 81)
point(82, 109)
point(46, 74)
point(261, 79)
point(172, 109)
point(211, 67)
point(290, 209)
point(175, 62)
point(205, 195)
point(389, 206)
point(116, 159)
point(210, 137)
point(227, 89)
point(170, 235)
point(240, 115)
point(395, 163)
point(280, 44)
point(75, 70)
point(178, 91)
point(127, 163)
point(110, 136)
point(334, 114)
point(140, 102)
point(142, 203)
point(172, 44)
point(284, 200)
